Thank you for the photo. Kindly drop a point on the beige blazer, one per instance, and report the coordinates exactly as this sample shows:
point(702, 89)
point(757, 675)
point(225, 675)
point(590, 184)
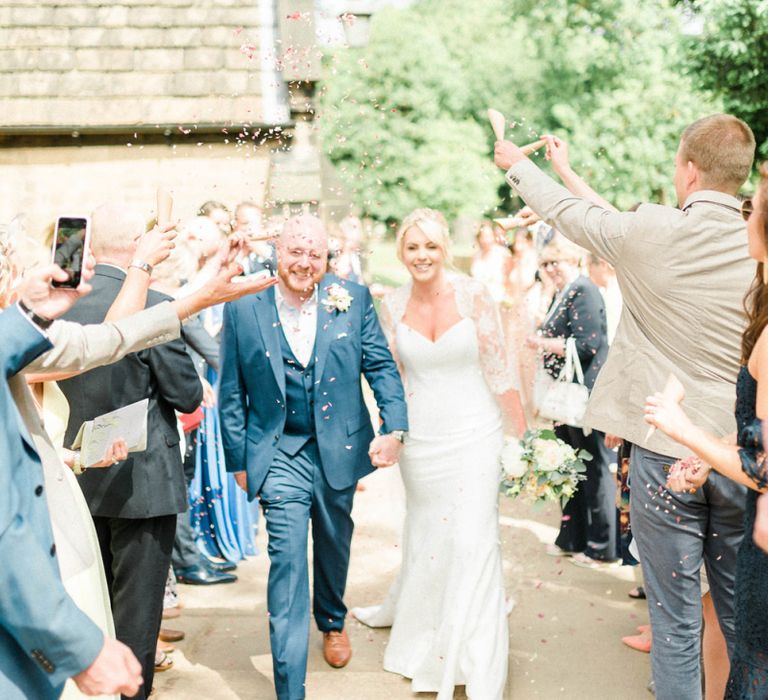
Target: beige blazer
point(683, 274)
point(79, 348)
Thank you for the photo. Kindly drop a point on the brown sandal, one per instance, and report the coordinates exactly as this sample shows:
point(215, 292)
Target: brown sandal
point(165, 662)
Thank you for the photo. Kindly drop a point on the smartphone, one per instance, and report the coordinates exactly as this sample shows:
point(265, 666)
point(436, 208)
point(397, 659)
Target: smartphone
point(71, 242)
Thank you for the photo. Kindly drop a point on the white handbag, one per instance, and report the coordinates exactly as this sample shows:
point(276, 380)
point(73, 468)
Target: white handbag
point(565, 401)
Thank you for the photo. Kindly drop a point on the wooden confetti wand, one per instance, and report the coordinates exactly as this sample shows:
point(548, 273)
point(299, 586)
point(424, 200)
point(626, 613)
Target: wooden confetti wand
point(673, 391)
point(164, 207)
point(498, 124)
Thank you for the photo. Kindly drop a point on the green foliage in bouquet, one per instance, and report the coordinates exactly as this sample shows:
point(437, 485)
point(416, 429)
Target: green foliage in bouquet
point(542, 468)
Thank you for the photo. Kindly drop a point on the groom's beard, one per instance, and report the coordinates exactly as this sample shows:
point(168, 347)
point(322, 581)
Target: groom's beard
point(304, 287)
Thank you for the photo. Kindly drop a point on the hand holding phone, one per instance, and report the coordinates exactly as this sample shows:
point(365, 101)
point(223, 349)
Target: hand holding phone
point(70, 249)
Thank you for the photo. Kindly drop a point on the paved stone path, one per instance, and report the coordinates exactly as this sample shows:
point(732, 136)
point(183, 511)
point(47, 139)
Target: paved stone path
point(565, 628)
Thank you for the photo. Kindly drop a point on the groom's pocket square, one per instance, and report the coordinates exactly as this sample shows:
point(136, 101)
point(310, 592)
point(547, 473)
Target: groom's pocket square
point(341, 335)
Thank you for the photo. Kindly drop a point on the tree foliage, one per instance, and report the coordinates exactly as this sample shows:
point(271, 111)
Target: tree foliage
point(729, 58)
point(404, 120)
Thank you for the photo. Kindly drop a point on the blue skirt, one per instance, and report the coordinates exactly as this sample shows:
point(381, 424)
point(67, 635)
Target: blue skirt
point(221, 516)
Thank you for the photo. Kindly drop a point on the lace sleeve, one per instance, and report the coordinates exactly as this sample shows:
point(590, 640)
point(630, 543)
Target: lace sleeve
point(390, 314)
point(474, 301)
point(752, 454)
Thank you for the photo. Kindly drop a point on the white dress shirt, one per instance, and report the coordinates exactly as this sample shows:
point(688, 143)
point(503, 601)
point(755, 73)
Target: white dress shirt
point(299, 325)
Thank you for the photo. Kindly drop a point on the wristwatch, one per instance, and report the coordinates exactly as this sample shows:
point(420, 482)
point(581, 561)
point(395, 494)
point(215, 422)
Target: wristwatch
point(39, 321)
point(398, 435)
point(141, 265)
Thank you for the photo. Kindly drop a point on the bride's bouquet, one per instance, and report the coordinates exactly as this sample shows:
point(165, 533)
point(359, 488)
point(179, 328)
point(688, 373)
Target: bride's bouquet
point(542, 467)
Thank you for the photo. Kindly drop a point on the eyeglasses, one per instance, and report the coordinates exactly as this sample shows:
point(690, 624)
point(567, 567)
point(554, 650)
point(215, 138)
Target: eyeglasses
point(746, 209)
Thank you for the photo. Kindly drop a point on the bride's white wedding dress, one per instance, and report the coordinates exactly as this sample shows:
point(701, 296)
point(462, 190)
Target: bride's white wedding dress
point(447, 608)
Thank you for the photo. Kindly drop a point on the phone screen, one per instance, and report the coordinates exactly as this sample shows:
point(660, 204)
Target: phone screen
point(69, 248)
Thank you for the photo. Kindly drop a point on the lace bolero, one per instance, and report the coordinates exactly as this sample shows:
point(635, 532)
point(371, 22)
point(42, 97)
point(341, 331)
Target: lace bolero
point(473, 301)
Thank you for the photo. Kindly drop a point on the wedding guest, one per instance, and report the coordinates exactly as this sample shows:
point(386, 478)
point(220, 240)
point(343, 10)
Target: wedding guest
point(524, 295)
point(488, 263)
point(134, 503)
point(588, 529)
point(249, 223)
point(744, 463)
point(190, 565)
point(682, 275)
point(447, 608)
point(349, 262)
point(219, 214)
point(298, 435)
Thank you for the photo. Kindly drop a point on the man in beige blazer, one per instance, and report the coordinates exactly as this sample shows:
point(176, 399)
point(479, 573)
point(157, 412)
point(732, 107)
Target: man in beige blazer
point(683, 274)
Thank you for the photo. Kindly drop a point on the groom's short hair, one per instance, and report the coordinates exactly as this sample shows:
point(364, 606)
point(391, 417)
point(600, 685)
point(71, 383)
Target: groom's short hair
point(722, 147)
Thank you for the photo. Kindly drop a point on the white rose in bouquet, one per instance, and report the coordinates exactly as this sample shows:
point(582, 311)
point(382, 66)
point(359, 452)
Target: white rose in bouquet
point(547, 454)
point(512, 462)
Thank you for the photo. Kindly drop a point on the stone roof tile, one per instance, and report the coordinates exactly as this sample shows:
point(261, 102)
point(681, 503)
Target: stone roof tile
point(91, 63)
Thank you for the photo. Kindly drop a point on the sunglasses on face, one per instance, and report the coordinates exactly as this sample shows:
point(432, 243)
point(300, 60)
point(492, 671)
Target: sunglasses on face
point(746, 209)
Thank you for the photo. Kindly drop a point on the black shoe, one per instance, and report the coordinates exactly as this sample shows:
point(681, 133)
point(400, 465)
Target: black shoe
point(218, 565)
point(203, 576)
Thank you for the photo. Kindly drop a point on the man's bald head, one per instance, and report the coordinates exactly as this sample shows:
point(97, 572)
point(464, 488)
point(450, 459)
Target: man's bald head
point(304, 230)
point(115, 231)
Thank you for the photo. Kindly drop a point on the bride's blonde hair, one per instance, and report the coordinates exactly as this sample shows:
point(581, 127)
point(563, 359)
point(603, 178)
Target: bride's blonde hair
point(432, 224)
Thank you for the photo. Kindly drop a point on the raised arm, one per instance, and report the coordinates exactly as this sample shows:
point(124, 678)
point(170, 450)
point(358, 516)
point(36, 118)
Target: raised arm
point(153, 248)
point(601, 231)
point(557, 154)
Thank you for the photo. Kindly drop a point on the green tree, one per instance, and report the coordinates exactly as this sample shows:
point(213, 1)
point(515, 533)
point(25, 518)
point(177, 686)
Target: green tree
point(404, 120)
point(729, 57)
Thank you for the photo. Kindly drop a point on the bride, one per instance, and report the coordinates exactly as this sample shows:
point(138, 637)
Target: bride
point(447, 608)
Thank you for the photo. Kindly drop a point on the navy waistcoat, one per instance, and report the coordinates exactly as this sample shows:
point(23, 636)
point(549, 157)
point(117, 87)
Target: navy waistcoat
point(299, 400)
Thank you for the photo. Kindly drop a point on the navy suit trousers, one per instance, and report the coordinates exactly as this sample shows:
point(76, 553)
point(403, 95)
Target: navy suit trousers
point(295, 492)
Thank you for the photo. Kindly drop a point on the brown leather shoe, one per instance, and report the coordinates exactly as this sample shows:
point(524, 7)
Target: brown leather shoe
point(169, 635)
point(336, 649)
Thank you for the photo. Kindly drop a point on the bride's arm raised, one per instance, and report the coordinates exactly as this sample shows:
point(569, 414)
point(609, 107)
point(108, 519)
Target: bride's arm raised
point(498, 369)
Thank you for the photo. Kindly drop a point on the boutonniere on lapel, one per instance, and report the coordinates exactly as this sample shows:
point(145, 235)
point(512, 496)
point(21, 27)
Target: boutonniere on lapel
point(337, 299)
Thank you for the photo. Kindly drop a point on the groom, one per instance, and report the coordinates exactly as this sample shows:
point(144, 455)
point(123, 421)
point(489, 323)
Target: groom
point(298, 435)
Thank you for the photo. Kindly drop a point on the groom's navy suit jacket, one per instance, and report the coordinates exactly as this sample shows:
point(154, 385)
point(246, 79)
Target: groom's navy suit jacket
point(252, 393)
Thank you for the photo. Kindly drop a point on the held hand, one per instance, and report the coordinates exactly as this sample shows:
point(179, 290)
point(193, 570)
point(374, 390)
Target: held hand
point(242, 480)
point(506, 154)
point(115, 670)
point(557, 153)
point(116, 452)
point(156, 245)
point(384, 450)
point(50, 302)
point(667, 415)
